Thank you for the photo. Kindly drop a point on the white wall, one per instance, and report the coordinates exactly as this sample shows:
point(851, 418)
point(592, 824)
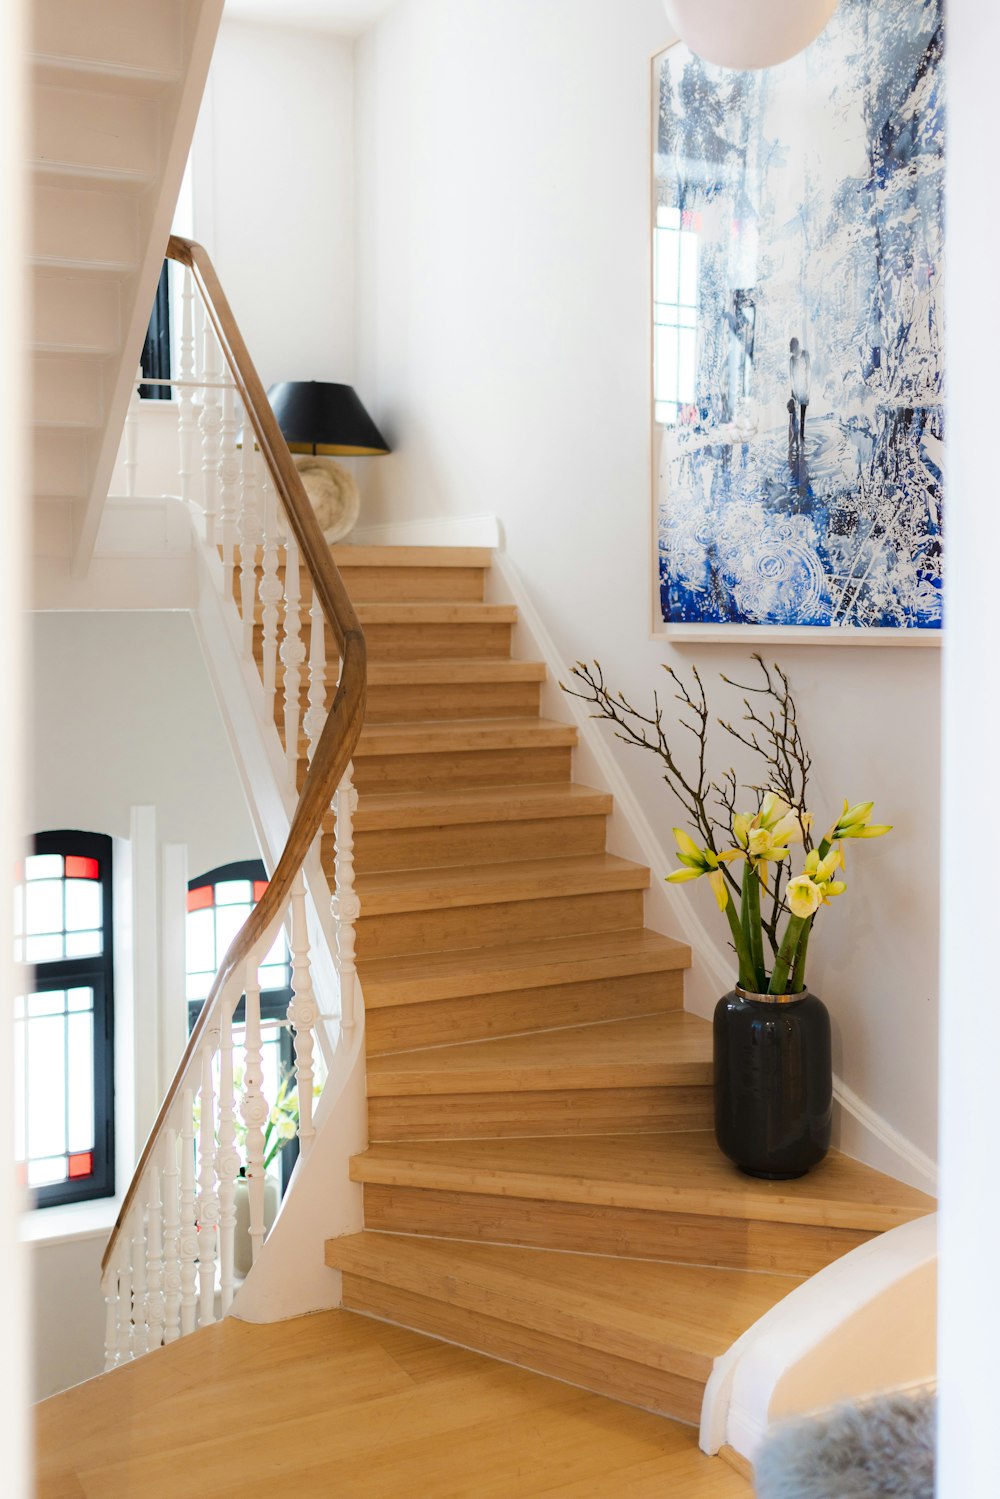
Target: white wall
point(273, 179)
point(969, 1308)
point(124, 716)
point(14, 486)
point(68, 1325)
point(503, 210)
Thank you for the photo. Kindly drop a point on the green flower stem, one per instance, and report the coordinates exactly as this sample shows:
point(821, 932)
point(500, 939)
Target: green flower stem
point(746, 974)
point(786, 954)
point(751, 886)
point(799, 971)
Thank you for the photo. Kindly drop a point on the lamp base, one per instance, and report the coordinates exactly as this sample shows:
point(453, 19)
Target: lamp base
point(333, 494)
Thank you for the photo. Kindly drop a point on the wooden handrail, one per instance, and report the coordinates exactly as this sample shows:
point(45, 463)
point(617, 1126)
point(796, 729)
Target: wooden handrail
point(336, 743)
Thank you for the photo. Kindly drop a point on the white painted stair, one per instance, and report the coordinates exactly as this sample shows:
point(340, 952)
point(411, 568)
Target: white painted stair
point(116, 90)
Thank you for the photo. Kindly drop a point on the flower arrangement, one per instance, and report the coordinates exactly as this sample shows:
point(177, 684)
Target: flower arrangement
point(746, 855)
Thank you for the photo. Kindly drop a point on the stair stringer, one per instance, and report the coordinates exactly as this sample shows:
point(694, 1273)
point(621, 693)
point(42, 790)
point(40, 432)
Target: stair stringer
point(859, 1130)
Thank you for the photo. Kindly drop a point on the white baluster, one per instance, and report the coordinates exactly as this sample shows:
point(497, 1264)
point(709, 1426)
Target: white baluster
point(270, 590)
point(315, 718)
point(124, 1272)
point(227, 1162)
point(254, 1107)
point(250, 536)
point(210, 422)
point(345, 904)
point(293, 653)
point(185, 392)
point(229, 483)
point(189, 1232)
point(302, 1013)
point(208, 1199)
point(139, 1315)
point(131, 462)
point(171, 1241)
point(154, 1258)
point(109, 1286)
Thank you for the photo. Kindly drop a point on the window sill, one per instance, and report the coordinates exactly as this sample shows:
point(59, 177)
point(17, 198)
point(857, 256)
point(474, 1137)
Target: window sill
point(74, 1220)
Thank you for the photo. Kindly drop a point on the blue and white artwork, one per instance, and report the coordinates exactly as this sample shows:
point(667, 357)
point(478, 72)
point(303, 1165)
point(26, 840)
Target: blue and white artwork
point(798, 262)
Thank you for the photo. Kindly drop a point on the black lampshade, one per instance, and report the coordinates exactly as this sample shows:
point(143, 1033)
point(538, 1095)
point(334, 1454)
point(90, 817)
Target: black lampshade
point(317, 417)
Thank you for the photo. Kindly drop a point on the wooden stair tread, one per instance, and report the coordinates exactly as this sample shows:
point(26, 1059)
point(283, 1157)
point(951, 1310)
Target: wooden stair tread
point(677, 1318)
point(669, 1049)
point(470, 669)
point(449, 736)
point(442, 613)
point(682, 1173)
point(537, 964)
point(404, 556)
point(392, 891)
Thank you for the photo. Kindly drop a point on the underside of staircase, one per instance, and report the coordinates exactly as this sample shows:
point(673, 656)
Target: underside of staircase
point(542, 1183)
point(116, 88)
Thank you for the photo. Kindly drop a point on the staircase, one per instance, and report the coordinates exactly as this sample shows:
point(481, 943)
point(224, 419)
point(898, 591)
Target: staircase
point(542, 1184)
point(116, 90)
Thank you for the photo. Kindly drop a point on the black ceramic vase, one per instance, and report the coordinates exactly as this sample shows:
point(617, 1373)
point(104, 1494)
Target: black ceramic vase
point(773, 1082)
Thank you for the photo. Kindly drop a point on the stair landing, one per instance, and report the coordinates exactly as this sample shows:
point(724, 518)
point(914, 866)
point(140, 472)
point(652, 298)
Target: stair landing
point(339, 1404)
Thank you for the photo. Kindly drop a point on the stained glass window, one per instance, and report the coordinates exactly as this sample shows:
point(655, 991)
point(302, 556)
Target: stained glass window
point(63, 1034)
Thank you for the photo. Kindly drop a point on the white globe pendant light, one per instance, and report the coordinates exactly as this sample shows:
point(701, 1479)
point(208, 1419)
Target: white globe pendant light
point(746, 34)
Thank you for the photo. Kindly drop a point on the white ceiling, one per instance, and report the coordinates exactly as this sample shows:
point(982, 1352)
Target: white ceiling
point(345, 17)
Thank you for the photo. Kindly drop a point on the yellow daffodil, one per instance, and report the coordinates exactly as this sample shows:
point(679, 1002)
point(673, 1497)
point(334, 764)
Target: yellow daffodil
point(853, 823)
point(804, 896)
point(765, 837)
point(698, 861)
point(817, 885)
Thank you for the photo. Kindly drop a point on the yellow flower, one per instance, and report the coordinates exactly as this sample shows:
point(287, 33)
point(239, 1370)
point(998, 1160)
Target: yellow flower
point(804, 896)
point(853, 823)
point(698, 861)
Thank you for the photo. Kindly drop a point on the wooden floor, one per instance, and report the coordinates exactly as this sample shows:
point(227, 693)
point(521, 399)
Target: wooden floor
point(336, 1404)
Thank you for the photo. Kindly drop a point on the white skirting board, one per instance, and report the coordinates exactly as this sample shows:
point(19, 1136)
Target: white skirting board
point(861, 1326)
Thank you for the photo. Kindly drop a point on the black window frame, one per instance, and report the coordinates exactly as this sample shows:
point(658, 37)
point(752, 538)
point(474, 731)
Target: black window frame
point(98, 974)
point(273, 1002)
point(156, 359)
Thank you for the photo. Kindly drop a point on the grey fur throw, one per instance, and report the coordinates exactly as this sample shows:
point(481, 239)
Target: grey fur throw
point(884, 1447)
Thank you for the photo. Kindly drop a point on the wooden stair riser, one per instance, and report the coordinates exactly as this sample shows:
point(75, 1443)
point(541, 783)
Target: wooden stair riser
point(593, 1369)
point(421, 702)
point(593, 1228)
point(390, 585)
point(453, 700)
point(392, 582)
point(496, 923)
point(408, 641)
point(480, 1017)
point(568, 1111)
point(499, 767)
point(428, 848)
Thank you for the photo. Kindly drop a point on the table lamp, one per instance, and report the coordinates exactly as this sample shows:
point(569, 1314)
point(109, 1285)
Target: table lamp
point(321, 422)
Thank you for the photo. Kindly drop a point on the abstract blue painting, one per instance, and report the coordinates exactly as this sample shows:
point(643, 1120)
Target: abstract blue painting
point(798, 264)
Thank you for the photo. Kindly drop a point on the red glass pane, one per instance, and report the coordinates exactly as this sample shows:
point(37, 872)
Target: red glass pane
point(259, 886)
point(81, 1165)
point(79, 868)
point(200, 898)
